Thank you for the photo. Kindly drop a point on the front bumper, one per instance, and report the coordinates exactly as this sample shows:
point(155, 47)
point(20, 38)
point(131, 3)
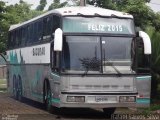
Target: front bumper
point(101, 101)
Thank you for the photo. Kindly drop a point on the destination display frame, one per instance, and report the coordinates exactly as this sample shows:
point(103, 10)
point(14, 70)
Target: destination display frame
point(109, 25)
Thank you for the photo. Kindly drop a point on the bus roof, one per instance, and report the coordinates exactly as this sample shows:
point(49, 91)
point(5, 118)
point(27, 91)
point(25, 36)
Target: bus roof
point(85, 11)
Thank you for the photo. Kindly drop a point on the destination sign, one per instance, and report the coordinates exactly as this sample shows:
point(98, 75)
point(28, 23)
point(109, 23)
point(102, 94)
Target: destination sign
point(98, 25)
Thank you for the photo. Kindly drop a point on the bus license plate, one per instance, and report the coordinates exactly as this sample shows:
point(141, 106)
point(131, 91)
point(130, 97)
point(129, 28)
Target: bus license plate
point(101, 98)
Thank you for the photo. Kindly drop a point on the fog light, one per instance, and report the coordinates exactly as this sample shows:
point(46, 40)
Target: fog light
point(131, 99)
point(127, 99)
point(75, 99)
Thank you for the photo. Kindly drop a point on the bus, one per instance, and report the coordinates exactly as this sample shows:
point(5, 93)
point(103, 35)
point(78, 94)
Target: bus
point(80, 57)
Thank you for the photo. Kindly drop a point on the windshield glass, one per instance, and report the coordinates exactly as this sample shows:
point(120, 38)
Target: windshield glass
point(81, 53)
point(96, 54)
point(116, 54)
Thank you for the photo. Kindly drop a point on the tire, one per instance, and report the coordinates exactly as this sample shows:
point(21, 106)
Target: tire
point(15, 88)
point(109, 111)
point(47, 96)
point(20, 97)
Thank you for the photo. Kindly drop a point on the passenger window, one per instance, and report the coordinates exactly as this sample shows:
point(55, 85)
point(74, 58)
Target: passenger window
point(56, 23)
point(40, 30)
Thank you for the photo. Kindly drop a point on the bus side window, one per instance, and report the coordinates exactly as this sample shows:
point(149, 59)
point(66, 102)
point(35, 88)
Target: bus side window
point(31, 34)
point(35, 38)
point(17, 38)
point(9, 40)
point(40, 30)
point(20, 37)
point(23, 36)
point(28, 34)
point(56, 23)
point(13, 36)
point(50, 25)
point(44, 26)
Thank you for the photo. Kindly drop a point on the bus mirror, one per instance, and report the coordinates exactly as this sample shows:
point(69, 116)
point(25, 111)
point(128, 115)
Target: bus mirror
point(147, 42)
point(58, 41)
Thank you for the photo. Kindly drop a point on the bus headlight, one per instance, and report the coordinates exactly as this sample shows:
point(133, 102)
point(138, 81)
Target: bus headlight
point(127, 99)
point(75, 99)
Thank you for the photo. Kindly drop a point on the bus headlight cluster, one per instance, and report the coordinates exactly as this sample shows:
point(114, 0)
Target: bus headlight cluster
point(75, 99)
point(127, 99)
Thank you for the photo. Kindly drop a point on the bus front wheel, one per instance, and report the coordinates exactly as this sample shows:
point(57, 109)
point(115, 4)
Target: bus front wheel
point(47, 96)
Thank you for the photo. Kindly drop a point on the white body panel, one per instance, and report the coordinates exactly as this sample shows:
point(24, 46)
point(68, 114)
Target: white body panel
point(88, 11)
point(31, 55)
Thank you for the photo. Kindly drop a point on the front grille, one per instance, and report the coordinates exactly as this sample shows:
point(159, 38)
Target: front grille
point(101, 87)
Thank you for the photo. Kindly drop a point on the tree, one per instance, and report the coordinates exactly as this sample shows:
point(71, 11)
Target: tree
point(57, 4)
point(142, 13)
point(155, 61)
point(109, 4)
point(42, 5)
point(2, 27)
point(13, 14)
point(156, 21)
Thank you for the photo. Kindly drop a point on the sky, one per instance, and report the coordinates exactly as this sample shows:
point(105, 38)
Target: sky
point(155, 4)
point(34, 3)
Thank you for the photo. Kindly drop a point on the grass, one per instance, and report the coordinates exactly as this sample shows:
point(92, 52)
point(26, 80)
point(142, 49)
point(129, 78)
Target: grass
point(3, 86)
point(150, 110)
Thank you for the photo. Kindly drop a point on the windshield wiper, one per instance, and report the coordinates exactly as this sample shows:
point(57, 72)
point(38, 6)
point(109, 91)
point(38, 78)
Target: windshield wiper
point(119, 73)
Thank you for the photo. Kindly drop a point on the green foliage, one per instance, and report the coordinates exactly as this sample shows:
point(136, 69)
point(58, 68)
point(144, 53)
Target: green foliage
point(150, 110)
point(109, 4)
point(57, 4)
point(155, 64)
point(155, 39)
point(2, 26)
point(13, 14)
point(156, 21)
point(42, 5)
point(138, 8)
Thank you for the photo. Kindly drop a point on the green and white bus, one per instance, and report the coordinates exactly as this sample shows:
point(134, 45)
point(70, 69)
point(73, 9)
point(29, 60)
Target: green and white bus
point(85, 57)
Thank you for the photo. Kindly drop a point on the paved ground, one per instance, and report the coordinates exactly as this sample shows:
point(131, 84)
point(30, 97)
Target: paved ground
point(11, 109)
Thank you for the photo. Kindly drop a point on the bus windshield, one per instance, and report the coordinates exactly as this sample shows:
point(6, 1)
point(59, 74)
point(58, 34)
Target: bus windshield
point(96, 54)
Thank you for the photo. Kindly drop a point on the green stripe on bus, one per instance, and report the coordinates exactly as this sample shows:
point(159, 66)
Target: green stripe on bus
point(55, 100)
point(143, 78)
point(40, 96)
point(143, 100)
point(55, 75)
